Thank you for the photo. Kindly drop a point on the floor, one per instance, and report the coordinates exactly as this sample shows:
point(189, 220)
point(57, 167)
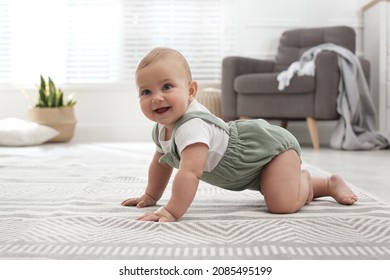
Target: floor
point(368, 170)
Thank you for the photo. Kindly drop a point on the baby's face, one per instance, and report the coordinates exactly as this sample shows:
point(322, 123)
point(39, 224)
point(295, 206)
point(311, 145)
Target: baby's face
point(164, 91)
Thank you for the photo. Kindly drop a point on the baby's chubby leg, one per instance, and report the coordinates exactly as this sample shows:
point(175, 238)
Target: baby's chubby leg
point(285, 187)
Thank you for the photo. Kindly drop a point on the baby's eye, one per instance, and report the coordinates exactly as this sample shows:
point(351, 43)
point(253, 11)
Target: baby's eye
point(167, 87)
point(145, 92)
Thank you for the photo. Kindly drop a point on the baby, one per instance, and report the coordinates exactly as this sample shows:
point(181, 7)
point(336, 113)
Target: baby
point(239, 155)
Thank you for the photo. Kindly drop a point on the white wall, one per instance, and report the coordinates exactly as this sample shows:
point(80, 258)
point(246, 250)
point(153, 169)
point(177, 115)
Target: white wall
point(112, 114)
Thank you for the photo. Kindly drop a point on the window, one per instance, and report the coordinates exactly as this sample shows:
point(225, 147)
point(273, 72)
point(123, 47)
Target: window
point(100, 41)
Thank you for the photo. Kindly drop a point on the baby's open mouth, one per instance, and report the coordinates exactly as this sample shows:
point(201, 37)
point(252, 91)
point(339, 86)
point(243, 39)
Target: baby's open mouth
point(161, 110)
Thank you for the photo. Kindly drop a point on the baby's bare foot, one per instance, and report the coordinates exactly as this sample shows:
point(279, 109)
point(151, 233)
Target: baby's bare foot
point(311, 193)
point(339, 190)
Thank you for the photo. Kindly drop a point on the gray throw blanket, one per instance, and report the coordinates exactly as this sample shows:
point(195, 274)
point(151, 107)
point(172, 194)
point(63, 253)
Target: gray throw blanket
point(355, 129)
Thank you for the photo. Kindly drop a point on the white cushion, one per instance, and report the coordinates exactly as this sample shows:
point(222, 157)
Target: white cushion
point(17, 132)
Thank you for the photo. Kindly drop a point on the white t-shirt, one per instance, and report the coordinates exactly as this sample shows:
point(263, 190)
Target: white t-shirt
point(197, 131)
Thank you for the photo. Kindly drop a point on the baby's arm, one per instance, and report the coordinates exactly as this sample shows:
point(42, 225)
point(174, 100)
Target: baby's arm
point(185, 185)
point(158, 177)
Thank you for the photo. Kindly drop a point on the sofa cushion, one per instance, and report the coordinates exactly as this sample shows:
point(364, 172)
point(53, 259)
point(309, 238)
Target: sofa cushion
point(265, 83)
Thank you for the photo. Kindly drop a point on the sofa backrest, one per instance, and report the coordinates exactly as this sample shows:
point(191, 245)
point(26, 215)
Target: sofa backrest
point(293, 43)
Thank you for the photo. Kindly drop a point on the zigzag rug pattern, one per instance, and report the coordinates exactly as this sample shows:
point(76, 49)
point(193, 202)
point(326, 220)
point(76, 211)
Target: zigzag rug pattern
point(63, 202)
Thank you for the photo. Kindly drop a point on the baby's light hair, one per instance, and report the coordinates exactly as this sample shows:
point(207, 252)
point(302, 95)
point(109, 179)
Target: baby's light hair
point(160, 53)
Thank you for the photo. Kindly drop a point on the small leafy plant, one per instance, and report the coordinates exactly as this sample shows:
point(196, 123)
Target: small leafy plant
point(52, 97)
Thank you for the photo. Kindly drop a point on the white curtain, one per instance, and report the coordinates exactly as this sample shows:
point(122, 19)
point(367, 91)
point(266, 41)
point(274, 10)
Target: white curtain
point(100, 41)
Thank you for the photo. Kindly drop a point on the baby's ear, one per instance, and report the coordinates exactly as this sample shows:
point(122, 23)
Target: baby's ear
point(192, 90)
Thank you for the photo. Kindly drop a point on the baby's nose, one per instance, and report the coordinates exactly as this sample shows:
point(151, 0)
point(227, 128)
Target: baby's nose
point(158, 97)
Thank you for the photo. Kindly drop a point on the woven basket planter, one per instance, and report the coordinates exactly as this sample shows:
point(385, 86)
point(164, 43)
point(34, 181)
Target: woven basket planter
point(61, 119)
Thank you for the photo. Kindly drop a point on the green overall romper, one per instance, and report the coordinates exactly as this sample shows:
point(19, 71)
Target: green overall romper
point(252, 144)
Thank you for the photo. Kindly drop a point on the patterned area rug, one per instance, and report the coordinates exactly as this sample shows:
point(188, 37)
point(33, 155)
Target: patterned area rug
point(62, 201)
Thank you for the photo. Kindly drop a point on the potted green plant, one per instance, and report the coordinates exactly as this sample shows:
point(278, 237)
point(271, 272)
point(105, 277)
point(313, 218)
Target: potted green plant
point(52, 110)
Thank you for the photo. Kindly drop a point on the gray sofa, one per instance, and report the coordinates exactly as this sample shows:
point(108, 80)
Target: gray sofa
point(250, 88)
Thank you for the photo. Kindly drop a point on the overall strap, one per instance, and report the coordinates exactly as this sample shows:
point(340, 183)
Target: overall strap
point(205, 116)
point(173, 158)
point(155, 135)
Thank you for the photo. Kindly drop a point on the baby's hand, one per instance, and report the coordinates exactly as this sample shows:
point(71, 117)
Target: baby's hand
point(160, 215)
point(142, 201)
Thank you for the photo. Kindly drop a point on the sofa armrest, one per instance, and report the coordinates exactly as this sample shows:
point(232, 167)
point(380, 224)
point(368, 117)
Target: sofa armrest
point(366, 69)
point(327, 83)
point(327, 77)
point(232, 67)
